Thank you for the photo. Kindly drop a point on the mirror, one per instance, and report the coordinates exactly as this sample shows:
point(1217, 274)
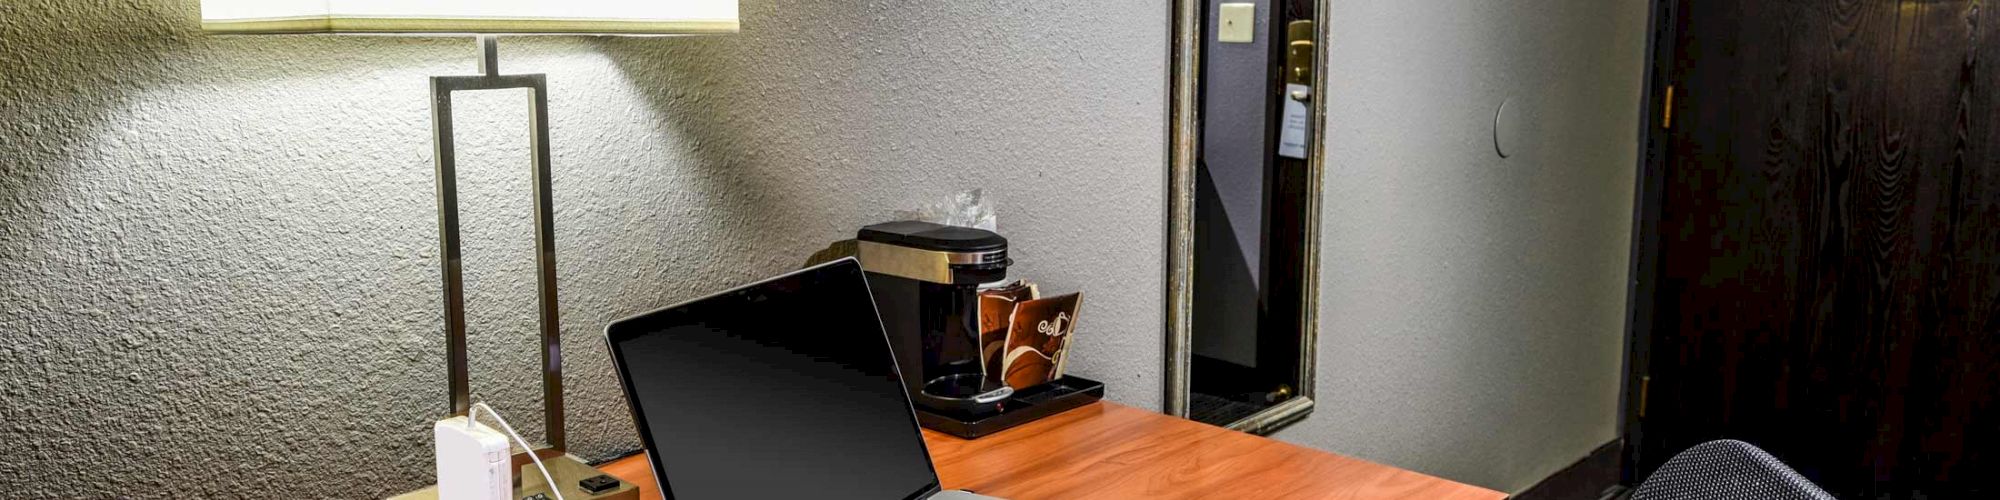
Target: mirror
point(1245, 184)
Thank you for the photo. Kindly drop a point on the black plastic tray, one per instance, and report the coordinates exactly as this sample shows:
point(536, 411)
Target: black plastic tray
point(1026, 405)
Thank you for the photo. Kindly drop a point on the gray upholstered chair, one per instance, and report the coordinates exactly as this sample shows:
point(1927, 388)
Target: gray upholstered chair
point(1727, 469)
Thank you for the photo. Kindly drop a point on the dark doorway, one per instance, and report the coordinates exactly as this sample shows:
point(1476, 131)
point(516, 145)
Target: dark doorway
point(1819, 259)
point(1252, 201)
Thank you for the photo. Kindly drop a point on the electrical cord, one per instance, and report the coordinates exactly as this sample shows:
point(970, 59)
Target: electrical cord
point(473, 415)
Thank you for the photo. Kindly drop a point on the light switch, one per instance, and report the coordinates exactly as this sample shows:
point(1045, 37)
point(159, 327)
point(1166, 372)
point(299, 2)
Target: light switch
point(1237, 23)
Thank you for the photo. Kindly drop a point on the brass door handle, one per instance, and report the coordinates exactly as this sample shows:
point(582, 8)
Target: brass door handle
point(1299, 53)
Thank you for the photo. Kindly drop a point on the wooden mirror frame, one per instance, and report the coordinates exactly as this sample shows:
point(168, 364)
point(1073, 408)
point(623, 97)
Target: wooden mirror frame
point(1184, 149)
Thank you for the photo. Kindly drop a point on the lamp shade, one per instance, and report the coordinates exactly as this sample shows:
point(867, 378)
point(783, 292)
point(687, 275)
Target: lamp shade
point(588, 17)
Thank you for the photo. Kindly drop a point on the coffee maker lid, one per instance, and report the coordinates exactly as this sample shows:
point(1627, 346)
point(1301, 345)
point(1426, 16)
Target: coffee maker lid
point(935, 237)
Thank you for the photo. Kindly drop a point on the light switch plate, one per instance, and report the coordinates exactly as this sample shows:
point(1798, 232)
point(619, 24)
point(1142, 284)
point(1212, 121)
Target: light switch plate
point(1237, 23)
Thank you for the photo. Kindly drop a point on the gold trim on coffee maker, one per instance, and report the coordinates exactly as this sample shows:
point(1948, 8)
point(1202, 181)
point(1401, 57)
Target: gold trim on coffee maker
point(921, 265)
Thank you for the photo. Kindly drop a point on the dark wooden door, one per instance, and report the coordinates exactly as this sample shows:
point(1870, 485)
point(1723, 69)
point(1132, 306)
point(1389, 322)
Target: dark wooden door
point(1827, 268)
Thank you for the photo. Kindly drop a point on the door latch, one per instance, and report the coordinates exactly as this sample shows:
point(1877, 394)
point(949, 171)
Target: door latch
point(1299, 59)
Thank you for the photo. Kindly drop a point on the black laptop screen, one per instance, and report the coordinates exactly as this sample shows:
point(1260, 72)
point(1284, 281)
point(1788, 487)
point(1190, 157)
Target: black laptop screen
point(784, 389)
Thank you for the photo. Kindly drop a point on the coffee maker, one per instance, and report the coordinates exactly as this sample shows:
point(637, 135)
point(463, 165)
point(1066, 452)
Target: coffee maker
point(926, 281)
point(925, 278)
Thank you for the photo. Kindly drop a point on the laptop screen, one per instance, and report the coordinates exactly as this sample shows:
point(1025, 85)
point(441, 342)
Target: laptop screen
point(782, 389)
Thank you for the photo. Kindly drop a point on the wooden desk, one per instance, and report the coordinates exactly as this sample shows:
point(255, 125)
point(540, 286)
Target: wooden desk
point(1108, 450)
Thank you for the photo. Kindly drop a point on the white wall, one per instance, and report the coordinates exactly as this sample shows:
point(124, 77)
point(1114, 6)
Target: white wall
point(1472, 307)
point(218, 253)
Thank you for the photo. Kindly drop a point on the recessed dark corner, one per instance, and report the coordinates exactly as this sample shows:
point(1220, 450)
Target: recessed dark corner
point(1593, 477)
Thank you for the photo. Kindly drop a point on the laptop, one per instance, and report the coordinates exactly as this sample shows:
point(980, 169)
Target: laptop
point(785, 388)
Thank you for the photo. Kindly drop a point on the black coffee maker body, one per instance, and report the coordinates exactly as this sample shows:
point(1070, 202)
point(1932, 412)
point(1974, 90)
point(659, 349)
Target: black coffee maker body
point(925, 278)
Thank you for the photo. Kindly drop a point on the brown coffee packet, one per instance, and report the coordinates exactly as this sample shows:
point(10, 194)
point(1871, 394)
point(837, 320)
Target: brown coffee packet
point(1037, 338)
point(996, 309)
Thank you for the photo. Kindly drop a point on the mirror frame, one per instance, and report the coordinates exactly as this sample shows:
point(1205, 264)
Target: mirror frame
point(1184, 149)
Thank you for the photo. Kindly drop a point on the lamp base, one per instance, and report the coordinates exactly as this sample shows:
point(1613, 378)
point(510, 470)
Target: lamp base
point(566, 469)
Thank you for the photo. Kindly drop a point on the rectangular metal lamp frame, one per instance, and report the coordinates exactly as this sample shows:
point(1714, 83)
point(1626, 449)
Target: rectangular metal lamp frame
point(449, 239)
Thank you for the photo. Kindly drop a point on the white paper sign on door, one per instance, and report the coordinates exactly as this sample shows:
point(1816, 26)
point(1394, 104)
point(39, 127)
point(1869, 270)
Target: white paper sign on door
point(1297, 124)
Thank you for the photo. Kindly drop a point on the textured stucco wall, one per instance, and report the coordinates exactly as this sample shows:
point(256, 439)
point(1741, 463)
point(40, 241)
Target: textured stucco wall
point(1472, 307)
point(218, 255)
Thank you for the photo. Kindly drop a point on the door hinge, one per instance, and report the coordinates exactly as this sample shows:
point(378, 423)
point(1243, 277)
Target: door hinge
point(1668, 121)
point(1645, 389)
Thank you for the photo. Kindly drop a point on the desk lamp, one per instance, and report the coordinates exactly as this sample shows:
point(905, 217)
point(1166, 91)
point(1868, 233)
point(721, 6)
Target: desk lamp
point(484, 19)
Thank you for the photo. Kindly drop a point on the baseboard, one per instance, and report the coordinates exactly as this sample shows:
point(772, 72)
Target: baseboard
point(1586, 479)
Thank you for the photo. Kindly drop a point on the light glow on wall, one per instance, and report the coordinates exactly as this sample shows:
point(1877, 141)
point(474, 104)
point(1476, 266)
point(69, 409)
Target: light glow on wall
point(594, 17)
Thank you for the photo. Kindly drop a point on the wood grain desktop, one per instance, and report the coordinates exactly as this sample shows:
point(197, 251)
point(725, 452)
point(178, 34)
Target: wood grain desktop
point(1108, 450)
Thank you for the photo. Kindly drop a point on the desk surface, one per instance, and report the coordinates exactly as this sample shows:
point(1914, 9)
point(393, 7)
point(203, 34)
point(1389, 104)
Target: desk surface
point(1108, 450)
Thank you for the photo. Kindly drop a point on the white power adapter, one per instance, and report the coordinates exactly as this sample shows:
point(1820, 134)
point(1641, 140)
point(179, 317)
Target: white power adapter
point(472, 461)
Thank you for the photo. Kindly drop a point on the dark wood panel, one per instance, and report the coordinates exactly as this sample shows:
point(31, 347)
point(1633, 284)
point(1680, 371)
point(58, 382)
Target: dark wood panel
point(1828, 281)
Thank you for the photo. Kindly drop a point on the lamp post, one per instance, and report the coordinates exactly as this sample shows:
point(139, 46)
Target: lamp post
point(486, 19)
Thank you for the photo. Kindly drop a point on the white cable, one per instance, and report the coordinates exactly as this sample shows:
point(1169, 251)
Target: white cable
point(471, 416)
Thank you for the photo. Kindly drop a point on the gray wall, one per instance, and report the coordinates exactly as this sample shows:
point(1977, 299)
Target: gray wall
point(1472, 308)
point(219, 258)
point(218, 254)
